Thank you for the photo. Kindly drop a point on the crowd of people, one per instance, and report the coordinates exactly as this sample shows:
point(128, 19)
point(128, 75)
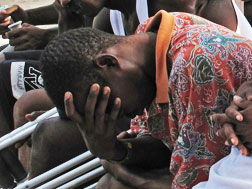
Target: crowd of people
point(177, 73)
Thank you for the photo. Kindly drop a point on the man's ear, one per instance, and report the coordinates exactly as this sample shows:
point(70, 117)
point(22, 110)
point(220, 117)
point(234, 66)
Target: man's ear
point(106, 60)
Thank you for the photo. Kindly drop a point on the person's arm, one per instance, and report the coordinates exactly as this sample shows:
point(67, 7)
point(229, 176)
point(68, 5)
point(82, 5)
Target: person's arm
point(99, 133)
point(219, 11)
point(42, 15)
point(240, 111)
point(243, 125)
point(236, 122)
point(37, 16)
point(31, 37)
point(67, 18)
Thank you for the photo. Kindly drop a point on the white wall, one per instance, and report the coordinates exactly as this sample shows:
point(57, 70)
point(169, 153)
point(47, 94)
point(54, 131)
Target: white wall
point(26, 4)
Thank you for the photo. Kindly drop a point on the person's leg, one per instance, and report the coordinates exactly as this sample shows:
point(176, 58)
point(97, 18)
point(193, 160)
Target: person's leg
point(6, 180)
point(11, 170)
point(15, 77)
point(6, 106)
point(9, 156)
point(34, 100)
point(6, 99)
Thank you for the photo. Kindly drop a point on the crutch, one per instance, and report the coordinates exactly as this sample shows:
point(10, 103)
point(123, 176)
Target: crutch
point(24, 131)
point(75, 173)
point(84, 178)
point(92, 186)
point(67, 176)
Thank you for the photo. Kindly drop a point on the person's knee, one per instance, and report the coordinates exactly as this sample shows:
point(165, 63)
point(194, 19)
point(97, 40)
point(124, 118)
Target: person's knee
point(34, 100)
point(19, 113)
point(23, 106)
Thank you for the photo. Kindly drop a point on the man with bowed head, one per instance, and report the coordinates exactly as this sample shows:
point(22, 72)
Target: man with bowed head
point(190, 70)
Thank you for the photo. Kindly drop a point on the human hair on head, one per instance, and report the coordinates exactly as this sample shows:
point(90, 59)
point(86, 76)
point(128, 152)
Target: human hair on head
point(68, 64)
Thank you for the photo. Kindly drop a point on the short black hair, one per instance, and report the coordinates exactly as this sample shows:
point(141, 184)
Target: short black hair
point(69, 59)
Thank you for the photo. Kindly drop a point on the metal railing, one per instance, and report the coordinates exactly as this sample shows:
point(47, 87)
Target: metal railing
point(73, 178)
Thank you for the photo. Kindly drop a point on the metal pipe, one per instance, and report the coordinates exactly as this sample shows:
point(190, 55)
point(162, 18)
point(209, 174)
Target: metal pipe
point(29, 124)
point(84, 178)
point(19, 136)
point(55, 171)
point(71, 174)
point(92, 186)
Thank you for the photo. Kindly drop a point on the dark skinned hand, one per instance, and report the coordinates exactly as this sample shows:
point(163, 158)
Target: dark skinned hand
point(28, 37)
point(237, 120)
point(34, 115)
point(68, 18)
point(4, 26)
point(128, 177)
point(98, 131)
point(16, 13)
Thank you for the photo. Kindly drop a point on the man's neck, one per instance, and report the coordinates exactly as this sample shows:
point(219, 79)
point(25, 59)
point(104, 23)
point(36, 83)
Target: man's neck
point(150, 54)
point(145, 51)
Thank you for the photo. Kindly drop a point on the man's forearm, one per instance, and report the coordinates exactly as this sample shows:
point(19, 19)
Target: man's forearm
point(146, 152)
point(42, 15)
